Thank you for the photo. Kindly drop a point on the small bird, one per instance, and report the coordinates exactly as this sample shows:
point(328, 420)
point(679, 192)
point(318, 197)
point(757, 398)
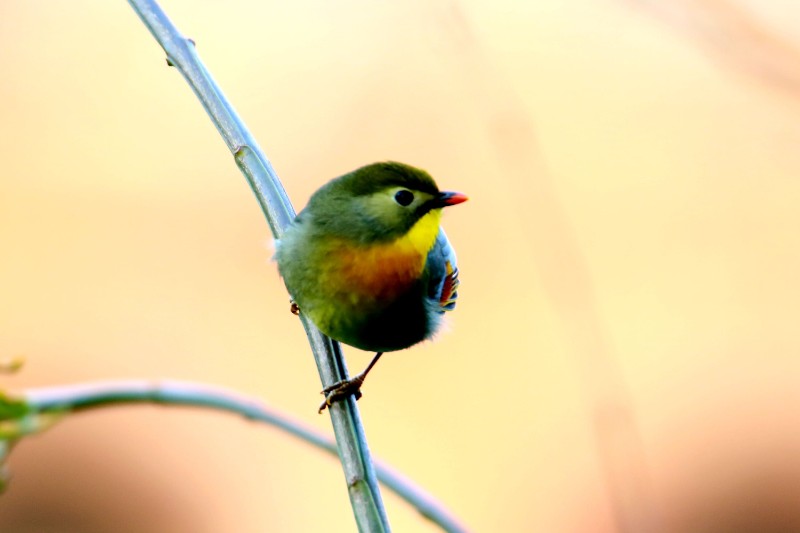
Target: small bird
point(367, 262)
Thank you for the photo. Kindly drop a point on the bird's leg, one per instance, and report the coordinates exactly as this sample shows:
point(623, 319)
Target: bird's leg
point(347, 387)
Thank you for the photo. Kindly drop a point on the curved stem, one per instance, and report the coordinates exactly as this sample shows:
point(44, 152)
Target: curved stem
point(82, 397)
point(365, 496)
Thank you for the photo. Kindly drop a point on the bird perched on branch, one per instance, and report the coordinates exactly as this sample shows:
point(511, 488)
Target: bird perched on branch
point(367, 262)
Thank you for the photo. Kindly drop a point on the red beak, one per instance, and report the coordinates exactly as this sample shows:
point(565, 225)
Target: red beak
point(450, 198)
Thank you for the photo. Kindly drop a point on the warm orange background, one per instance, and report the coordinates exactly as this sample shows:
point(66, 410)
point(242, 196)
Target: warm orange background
point(628, 323)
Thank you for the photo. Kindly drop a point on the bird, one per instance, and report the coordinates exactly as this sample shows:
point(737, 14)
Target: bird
point(368, 263)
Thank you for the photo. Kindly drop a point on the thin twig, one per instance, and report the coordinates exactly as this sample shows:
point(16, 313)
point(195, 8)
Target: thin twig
point(81, 397)
point(362, 483)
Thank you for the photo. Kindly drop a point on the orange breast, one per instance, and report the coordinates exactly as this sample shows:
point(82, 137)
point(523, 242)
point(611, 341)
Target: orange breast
point(383, 271)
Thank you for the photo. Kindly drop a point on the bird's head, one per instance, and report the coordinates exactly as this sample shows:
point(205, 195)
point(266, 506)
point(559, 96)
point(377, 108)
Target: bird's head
point(380, 202)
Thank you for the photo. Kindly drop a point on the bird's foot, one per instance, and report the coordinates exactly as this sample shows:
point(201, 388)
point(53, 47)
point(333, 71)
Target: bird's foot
point(341, 390)
point(347, 387)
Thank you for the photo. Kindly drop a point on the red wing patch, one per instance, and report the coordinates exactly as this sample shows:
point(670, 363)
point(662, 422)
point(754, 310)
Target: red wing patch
point(447, 299)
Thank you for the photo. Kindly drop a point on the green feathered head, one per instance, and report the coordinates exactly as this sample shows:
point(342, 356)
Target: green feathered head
point(376, 203)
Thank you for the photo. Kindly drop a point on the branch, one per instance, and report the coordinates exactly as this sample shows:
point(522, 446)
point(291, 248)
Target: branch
point(359, 472)
point(35, 410)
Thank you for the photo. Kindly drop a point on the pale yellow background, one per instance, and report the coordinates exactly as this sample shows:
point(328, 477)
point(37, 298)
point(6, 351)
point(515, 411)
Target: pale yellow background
point(628, 322)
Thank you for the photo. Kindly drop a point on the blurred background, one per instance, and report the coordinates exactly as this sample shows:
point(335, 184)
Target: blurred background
point(624, 356)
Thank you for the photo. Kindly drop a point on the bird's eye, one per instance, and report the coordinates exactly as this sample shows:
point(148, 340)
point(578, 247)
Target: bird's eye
point(404, 197)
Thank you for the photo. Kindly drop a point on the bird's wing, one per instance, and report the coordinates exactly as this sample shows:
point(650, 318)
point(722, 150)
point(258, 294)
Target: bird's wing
point(442, 273)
